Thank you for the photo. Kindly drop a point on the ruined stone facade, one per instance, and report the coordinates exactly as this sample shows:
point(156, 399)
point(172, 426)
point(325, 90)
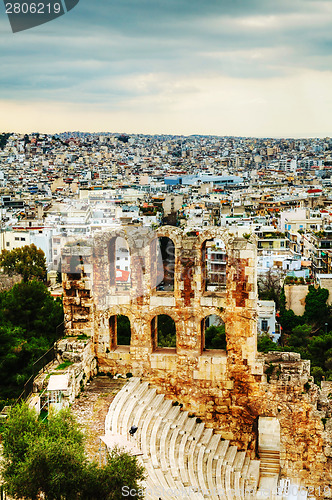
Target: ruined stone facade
point(229, 389)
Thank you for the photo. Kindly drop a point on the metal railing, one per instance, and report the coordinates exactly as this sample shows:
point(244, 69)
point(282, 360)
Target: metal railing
point(39, 366)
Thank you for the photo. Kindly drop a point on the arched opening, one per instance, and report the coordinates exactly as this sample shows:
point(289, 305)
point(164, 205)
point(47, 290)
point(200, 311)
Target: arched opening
point(123, 330)
point(213, 333)
point(166, 252)
point(119, 261)
point(214, 260)
point(120, 331)
point(163, 332)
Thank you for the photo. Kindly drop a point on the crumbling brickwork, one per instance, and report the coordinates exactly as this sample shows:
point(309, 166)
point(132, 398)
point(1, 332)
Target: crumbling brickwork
point(230, 389)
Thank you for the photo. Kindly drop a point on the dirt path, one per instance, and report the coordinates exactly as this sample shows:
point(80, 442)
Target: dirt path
point(91, 408)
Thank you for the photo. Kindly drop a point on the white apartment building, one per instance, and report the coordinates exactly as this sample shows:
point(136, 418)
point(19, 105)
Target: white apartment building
point(266, 323)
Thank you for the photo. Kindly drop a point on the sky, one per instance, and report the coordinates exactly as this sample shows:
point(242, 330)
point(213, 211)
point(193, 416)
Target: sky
point(221, 67)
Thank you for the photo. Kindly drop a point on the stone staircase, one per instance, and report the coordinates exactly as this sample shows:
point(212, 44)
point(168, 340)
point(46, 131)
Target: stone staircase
point(270, 462)
point(182, 457)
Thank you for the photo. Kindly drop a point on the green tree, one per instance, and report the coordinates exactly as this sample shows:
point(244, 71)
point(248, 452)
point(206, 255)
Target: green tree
point(31, 306)
point(17, 355)
point(215, 337)
point(265, 344)
point(121, 474)
point(318, 373)
point(289, 320)
point(309, 334)
point(123, 330)
point(300, 336)
point(319, 349)
point(316, 309)
point(49, 459)
point(28, 261)
point(19, 431)
point(166, 331)
point(28, 319)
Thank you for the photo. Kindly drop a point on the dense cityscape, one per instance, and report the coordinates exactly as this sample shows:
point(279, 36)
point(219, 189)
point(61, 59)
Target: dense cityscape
point(272, 197)
point(57, 188)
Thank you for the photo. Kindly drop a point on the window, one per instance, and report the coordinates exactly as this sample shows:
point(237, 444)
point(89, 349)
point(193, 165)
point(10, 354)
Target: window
point(22, 239)
point(163, 332)
point(118, 267)
point(282, 243)
point(264, 325)
point(17, 238)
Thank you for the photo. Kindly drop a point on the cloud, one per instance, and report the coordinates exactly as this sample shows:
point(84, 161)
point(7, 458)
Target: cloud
point(121, 56)
point(281, 107)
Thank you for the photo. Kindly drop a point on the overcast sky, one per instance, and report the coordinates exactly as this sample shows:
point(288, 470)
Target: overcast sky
point(221, 67)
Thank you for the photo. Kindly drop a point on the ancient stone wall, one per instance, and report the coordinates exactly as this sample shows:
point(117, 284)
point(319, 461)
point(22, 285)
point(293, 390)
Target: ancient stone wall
point(229, 389)
point(83, 367)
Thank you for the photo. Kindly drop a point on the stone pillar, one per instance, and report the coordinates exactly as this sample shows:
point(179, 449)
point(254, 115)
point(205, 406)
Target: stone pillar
point(241, 303)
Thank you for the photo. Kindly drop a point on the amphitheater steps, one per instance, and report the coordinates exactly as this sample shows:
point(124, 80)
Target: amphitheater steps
point(183, 458)
point(210, 471)
point(133, 404)
point(124, 405)
point(164, 438)
point(174, 447)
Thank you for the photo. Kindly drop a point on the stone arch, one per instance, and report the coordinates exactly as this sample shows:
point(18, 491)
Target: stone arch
point(213, 332)
point(117, 247)
point(211, 233)
point(110, 317)
point(152, 318)
point(166, 253)
point(119, 338)
point(156, 311)
point(137, 241)
point(174, 233)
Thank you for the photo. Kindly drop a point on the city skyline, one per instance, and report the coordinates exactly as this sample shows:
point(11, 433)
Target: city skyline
point(254, 68)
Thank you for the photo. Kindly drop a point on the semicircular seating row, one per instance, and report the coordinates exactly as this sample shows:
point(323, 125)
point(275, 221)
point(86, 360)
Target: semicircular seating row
point(183, 459)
